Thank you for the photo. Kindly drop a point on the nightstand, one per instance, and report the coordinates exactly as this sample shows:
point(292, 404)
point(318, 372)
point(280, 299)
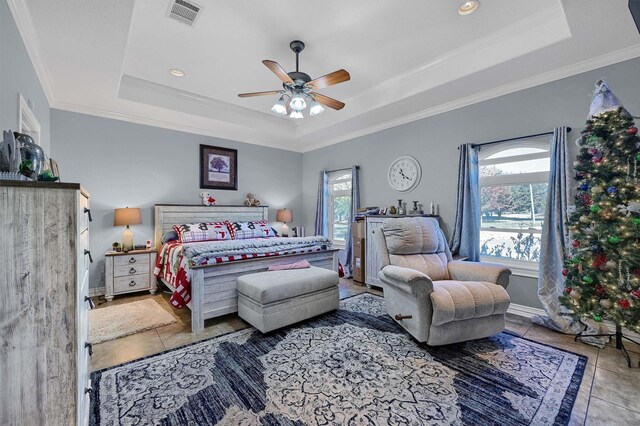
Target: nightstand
point(129, 272)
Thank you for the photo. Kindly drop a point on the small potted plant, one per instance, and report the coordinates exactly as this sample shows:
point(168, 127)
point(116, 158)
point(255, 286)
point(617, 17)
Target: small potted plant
point(116, 246)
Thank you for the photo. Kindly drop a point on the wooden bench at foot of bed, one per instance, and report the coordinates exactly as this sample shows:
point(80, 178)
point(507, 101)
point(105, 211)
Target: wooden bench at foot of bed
point(215, 285)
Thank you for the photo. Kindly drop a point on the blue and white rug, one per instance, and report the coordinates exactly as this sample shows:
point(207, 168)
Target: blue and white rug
point(354, 366)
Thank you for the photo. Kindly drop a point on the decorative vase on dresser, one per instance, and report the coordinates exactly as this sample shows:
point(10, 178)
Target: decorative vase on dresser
point(44, 283)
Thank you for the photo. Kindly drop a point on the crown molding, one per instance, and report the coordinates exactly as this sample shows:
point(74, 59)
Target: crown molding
point(138, 119)
point(26, 28)
point(610, 58)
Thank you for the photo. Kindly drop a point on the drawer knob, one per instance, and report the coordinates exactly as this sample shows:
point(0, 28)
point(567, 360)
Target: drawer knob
point(88, 212)
point(132, 260)
point(91, 304)
point(89, 391)
point(132, 271)
point(89, 346)
point(132, 283)
point(87, 252)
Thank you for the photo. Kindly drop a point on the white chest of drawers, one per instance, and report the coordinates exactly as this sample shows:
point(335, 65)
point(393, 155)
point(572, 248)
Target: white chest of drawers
point(129, 272)
point(44, 282)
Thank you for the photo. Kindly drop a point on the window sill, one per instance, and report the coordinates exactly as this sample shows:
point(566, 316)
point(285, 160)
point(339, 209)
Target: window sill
point(519, 269)
point(338, 246)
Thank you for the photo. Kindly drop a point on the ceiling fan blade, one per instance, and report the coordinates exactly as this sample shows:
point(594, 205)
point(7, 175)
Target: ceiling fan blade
point(335, 77)
point(278, 71)
point(249, 95)
point(327, 101)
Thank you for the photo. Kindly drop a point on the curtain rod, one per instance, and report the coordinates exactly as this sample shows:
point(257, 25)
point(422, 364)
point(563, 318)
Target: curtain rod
point(344, 168)
point(515, 139)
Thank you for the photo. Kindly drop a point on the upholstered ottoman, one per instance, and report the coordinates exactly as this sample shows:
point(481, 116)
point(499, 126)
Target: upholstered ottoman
point(274, 299)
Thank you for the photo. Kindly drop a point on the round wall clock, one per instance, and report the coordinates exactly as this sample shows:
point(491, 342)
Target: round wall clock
point(404, 173)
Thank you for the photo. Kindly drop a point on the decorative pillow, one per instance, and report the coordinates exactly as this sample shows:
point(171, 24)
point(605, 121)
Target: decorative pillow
point(257, 229)
point(169, 236)
point(210, 231)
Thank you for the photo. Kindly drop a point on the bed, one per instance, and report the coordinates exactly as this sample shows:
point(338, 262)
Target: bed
point(213, 286)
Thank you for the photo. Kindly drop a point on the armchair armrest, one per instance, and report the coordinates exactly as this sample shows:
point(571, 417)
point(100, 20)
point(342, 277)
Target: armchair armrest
point(406, 280)
point(479, 271)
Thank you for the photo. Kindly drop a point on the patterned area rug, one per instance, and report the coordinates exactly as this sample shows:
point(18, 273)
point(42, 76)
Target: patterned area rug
point(354, 366)
point(113, 322)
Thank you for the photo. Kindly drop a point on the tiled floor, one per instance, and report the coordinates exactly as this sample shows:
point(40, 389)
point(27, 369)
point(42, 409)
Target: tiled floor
point(609, 394)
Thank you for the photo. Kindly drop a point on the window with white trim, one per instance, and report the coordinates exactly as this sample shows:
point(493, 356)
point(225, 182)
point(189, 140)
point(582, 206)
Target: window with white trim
point(339, 206)
point(513, 193)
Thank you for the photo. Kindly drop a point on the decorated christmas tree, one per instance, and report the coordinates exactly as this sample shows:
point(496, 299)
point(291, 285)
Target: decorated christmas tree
point(602, 265)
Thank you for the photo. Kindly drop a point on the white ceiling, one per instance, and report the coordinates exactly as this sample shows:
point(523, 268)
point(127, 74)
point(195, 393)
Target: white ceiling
point(408, 59)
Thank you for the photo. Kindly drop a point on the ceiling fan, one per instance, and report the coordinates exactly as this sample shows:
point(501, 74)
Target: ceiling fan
point(298, 86)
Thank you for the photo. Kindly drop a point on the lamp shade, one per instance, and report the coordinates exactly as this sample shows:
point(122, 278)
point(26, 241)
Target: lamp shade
point(284, 215)
point(127, 217)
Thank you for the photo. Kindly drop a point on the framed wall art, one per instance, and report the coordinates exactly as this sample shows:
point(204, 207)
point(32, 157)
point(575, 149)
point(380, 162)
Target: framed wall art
point(218, 168)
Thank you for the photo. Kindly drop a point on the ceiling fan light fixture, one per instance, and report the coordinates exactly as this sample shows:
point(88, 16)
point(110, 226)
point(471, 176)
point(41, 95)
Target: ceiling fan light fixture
point(298, 103)
point(315, 108)
point(468, 7)
point(296, 115)
point(279, 107)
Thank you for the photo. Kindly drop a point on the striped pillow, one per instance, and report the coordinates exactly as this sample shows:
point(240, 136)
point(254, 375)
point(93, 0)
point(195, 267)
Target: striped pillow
point(255, 229)
point(209, 231)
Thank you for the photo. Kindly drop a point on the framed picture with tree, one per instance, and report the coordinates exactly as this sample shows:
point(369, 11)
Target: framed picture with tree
point(218, 168)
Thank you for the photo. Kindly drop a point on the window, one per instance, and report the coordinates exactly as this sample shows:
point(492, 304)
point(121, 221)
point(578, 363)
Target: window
point(513, 194)
point(339, 206)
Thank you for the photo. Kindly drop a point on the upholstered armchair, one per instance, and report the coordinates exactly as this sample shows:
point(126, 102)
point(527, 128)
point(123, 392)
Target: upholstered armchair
point(437, 300)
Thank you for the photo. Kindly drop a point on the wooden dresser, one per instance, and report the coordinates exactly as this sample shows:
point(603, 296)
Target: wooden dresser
point(44, 284)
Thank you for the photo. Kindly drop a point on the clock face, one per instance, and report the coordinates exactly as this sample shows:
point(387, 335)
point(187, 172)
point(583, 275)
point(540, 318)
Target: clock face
point(404, 173)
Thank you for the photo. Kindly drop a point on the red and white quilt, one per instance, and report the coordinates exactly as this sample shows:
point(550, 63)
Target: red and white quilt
point(176, 260)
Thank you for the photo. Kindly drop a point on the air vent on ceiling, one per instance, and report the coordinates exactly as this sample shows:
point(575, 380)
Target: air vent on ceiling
point(184, 11)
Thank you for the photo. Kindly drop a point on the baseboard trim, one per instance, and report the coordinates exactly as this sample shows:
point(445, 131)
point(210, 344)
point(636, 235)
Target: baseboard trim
point(96, 291)
point(529, 312)
point(524, 311)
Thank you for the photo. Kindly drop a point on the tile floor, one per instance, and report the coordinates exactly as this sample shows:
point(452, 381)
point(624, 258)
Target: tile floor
point(609, 394)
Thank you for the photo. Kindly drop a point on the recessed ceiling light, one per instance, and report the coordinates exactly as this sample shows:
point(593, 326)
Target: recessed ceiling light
point(468, 7)
point(176, 72)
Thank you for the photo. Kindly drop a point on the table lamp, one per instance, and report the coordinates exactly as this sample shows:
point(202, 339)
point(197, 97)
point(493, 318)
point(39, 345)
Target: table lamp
point(126, 217)
point(284, 216)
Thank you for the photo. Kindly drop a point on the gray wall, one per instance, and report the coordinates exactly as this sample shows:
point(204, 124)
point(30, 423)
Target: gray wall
point(124, 164)
point(434, 140)
point(18, 76)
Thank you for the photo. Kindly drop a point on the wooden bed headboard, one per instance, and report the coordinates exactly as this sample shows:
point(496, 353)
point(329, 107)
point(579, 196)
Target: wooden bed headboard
point(167, 215)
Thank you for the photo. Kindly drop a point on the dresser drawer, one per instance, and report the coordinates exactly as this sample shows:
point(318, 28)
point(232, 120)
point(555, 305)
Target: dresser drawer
point(131, 269)
point(131, 259)
point(132, 283)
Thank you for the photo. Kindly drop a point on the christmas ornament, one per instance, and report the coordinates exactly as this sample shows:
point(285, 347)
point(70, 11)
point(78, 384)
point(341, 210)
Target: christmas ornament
point(597, 318)
point(583, 187)
point(585, 199)
point(597, 159)
point(576, 295)
point(597, 189)
point(599, 261)
point(636, 220)
point(596, 248)
point(575, 260)
point(635, 294)
point(594, 208)
point(587, 279)
point(624, 304)
point(612, 190)
point(592, 151)
point(632, 130)
point(575, 243)
point(592, 139)
point(567, 290)
point(584, 219)
point(610, 265)
point(576, 163)
point(565, 271)
point(599, 289)
point(614, 239)
point(606, 303)
point(638, 157)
